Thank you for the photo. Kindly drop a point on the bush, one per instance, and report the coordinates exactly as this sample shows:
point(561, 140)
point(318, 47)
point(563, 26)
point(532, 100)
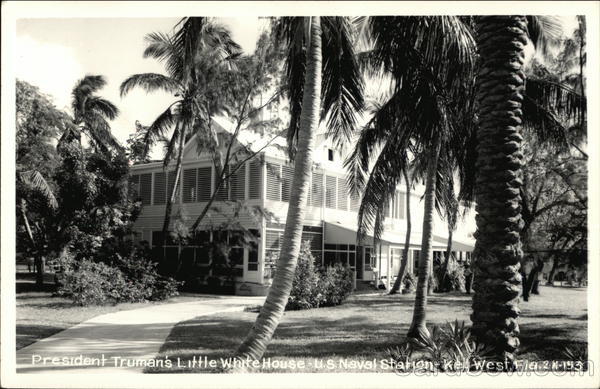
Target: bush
point(121, 279)
point(314, 288)
point(305, 293)
point(335, 284)
point(409, 283)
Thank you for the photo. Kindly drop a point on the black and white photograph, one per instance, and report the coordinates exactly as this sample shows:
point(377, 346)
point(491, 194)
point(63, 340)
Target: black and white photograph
point(300, 194)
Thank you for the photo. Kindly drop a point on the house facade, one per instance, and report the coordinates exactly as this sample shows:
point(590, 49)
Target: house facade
point(264, 181)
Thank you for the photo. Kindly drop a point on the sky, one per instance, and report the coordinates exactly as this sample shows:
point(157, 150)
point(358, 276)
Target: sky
point(53, 54)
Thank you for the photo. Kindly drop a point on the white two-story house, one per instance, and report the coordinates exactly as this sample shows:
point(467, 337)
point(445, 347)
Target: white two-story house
point(330, 222)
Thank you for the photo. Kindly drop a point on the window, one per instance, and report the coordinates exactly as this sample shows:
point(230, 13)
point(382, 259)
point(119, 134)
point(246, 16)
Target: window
point(204, 184)
point(339, 253)
point(253, 252)
point(342, 194)
point(330, 154)
point(330, 192)
point(255, 180)
point(146, 188)
point(189, 185)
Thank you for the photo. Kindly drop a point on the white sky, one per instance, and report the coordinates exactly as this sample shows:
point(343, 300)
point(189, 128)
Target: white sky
point(53, 54)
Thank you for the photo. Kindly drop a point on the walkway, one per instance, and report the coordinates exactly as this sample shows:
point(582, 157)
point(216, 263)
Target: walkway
point(126, 338)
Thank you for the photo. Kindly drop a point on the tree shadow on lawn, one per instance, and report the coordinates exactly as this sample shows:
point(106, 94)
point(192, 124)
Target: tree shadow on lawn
point(295, 338)
point(28, 334)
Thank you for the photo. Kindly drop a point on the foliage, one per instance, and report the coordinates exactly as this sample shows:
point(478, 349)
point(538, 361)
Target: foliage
point(313, 287)
point(305, 287)
point(409, 283)
point(335, 284)
point(131, 278)
point(444, 348)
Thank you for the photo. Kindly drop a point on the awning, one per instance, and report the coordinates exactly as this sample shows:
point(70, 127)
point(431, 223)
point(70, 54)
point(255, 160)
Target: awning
point(336, 233)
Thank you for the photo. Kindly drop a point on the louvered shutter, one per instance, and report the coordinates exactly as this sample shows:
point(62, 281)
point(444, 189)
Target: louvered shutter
point(273, 181)
point(238, 184)
point(134, 187)
point(171, 183)
point(189, 185)
point(255, 180)
point(354, 202)
point(204, 184)
point(286, 182)
point(223, 191)
point(342, 194)
point(160, 186)
point(330, 192)
point(146, 188)
point(317, 190)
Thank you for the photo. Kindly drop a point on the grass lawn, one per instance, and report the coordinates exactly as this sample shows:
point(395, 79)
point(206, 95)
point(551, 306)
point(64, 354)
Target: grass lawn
point(40, 315)
point(363, 328)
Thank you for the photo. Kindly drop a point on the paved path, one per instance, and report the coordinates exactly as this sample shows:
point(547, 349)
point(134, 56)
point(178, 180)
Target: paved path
point(133, 336)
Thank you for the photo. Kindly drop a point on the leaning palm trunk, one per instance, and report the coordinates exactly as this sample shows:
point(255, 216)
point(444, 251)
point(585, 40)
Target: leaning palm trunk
point(38, 261)
point(404, 262)
point(418, 327)
point(173, 192)
point(498, 251)
point(442, 286)
point(261, 333)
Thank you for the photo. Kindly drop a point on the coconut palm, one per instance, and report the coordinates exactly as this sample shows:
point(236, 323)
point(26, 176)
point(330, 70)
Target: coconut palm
point(193, 57)
point(91, 114)
point(430, 60)
point(29, 182)
point(320, 64)
point(404, 260)
point(501, 43)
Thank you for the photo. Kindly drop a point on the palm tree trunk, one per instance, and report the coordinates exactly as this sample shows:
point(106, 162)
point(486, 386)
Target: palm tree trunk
point(261, 333)
point(442, 286)
point(404, 262)
point(173, 192)
point(38, 261)
point(418, 327)
point(498, 251)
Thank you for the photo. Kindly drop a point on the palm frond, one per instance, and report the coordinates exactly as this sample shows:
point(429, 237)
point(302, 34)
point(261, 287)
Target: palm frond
point(544, 31)
point(342, 81)
point(150, 82)
point(102, 107)
point(36, 182)
point(158, 129)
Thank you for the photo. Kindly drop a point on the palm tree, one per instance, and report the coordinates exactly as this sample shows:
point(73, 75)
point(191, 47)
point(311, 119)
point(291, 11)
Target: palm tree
point(320, 62)
point(430, 60)
point(28, 182)
point(194, 55)
point(404, 260)
point(90, 115)
point(500, 84)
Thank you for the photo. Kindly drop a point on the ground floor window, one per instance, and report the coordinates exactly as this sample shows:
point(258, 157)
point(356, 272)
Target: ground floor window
point(339, 253)
point(274, 237)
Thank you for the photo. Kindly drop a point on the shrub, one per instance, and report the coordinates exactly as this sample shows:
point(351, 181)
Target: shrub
point(121, 279)
point(314, 288)
point(305, 293)
point(335, 284)
point(409, 283)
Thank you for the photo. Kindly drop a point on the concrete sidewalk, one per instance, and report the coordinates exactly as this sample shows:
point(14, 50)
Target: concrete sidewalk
point(119, 342)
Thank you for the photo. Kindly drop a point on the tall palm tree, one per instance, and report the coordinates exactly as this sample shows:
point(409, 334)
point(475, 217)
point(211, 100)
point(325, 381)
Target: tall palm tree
point(404, 260)
point(28, 182)
point(430, 60)
point(90, 115)
point(193, 56)
point(320, 64)
point(501, 43)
